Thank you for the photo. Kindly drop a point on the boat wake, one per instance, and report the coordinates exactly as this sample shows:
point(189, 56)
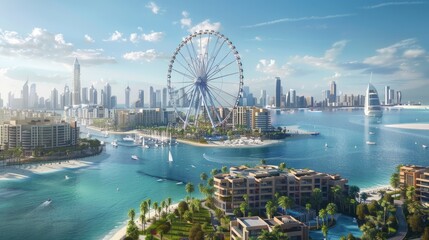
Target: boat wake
point(164, 178)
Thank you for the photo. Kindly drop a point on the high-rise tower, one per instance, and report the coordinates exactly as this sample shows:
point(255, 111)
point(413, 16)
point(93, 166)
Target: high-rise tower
point(127, 97)
point(76, 83)
point(333, 88)
point(278, 91)
point(24, 95)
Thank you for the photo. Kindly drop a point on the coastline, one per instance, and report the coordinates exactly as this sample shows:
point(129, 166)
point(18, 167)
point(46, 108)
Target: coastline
point(24, 171)
point(412, 126)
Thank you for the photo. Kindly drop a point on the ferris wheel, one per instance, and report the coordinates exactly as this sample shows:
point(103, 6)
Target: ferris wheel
point(205, 79)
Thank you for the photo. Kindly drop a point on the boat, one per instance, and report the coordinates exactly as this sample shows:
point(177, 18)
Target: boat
point(370, 143)
point(66, 177)
point(179, 183)
point(128, 138)
point(372, 102)
point(193, 166)
point(326, 145)
point(424, 146)
point(115, 143)
point(170, 157)
point(134, 157)
point(371, 133)
point(160, 180)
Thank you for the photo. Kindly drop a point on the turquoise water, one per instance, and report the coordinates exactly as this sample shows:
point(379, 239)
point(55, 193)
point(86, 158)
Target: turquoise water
point(344, 225)
point(88, 205)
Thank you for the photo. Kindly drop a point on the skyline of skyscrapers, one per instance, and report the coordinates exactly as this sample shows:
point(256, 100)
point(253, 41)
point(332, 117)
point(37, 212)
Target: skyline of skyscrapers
point(278, 91)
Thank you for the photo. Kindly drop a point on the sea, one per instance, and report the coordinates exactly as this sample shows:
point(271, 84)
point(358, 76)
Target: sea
point(92, 202)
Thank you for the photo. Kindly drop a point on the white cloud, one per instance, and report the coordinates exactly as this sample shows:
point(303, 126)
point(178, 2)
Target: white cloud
point(45, 45)
point(388, 55)
point(298, 20)
point(88, 39)
point(148, 55)
point(327, 61)
point(186, 20)
point(153, 36)
point(269, 66)
point(387, 4)
point(257, 38)
point(205, 25)
point(153, 7)
point(134, 38)
point(115, 37)
point(414, 53)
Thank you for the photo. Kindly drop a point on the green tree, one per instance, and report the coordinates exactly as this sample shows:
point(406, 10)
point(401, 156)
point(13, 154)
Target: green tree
point(308, 208)
point(263, 162)
point(415, 222)
point(275, 234)
point(143, 211)
point(182, 208)
point(214, 171)
point(188, 216)
point(164, 228)
point(149, 204)
point(169, 201)
point(189, 189)
point(132, 230)
point(270, 209)
point(285, 202)
point(394, 180)
point(354, 191)
point(196, 232)
point(350, 237)
point(131, 214)
point(224, 169)
point(363, 196)
point(336, 191)
point(331, 209)
point(324, 230)
point(155, 207)
point(322, 215)
point(203, 176)
point(282, 166)
point(243, 208)
point(316, 198)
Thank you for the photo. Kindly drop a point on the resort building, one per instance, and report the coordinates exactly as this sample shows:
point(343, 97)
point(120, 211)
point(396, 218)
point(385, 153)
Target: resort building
point(256, 119)
point(32, 133)
point(418, 177)
point(262, 182)
point(250, 227)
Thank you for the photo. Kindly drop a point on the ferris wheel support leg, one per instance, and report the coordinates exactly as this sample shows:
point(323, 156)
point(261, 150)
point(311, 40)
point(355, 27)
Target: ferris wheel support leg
point(207, 107)
point(211, 100)
point(185, 124)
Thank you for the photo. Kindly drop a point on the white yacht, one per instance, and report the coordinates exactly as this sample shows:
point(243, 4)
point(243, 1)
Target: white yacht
point(370, 143)
point(115, 143)
point(372, 102)
point(134, 157)
point(128, 138)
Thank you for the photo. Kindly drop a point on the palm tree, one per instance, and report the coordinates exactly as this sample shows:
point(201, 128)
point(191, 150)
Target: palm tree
point(132, 214)
point(353, 203)
point(243, 208)
point(143, 210)
point(148, 207)
point(169, 203)
point(363, 196)
point(336, 190)
point(203, 176)
point(285, 202)
point(155, 207)
point(325, 231)
point(164, 205)
point(316, 198)
point(275, 234)
point(189, 188)
point(394, 180)
point(322, 215)
point(164, 228)
point(282, 166)
point(214, 171)
point(224, 169)
point(308, 207)
point(270, 209)
point(143, 221)
point(331, 209)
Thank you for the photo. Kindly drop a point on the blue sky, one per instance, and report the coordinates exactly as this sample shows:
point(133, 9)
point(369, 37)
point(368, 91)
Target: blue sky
point(306, 43)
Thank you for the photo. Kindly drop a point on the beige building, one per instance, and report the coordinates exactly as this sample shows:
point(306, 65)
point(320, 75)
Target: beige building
point(262, 182)
point(31, 133)
point(249, 227)
point(417, 176)
point(256, 119)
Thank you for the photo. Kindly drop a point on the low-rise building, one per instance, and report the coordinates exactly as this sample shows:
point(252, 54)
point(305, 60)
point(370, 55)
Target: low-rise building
point(262, 182)
point(250, 227)
point(418, 177)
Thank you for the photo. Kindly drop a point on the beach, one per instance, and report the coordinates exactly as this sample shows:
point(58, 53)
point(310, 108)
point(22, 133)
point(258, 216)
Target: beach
point(414, 126)
point(17, 172)
point(373, 192)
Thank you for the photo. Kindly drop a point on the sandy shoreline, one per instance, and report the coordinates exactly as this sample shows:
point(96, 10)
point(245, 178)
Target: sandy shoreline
point(119, 233)
point(415, 126)
point(24, 171)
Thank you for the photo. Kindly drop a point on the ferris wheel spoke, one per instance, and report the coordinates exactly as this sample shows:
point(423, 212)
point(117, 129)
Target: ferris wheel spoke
point(191, 58)
point(219, 69)
point(216, 70)
point(206, 54)
point(197, 63)
point(218, 89)
point(189, 68)
point(185, 94)
point(226, 75)
point(215, 56)
point(203, 97)
point(184, 74)
point(188, 112)
point(213, 104)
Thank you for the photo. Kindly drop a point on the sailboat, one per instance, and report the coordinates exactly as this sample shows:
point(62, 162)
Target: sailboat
point(170, 157)
point(372, 102)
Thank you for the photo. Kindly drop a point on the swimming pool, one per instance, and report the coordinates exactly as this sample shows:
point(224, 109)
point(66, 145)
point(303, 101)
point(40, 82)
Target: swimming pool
point(344, 226)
